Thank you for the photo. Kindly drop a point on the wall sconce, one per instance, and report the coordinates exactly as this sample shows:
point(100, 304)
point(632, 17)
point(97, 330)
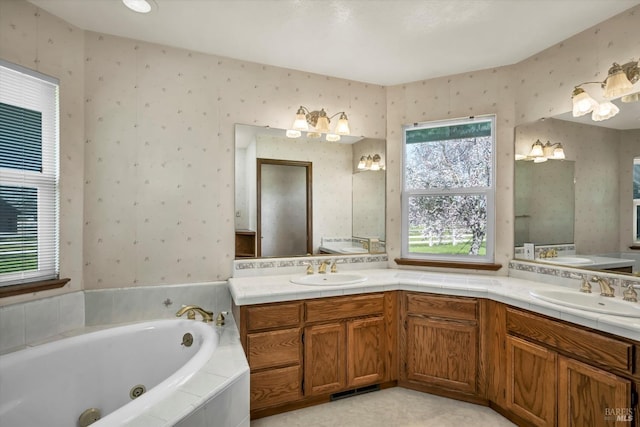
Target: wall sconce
point(619, 82)
point(320, 122)
point(370, 163)
point(542, 152)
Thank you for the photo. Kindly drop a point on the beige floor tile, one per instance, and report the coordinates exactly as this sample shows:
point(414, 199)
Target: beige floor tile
point(394, 407)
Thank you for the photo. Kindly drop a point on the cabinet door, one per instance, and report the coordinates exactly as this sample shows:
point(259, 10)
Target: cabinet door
point(588, 396)
point(531, 381)
point(365, 355)
point(324, 358)
point(442, 353)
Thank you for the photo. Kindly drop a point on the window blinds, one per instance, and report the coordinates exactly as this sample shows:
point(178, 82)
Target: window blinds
point(28, 175)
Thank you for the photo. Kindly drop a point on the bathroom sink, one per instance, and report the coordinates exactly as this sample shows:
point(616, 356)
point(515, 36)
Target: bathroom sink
point(353, 250)
point(590, 302)
point(569, 260)
point(329, 279)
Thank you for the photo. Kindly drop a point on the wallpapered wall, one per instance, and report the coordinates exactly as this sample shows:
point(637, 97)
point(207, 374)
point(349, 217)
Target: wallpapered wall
point(147, 136)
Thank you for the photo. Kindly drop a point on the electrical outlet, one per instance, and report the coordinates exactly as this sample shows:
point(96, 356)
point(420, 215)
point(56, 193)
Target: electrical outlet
point(529, 251)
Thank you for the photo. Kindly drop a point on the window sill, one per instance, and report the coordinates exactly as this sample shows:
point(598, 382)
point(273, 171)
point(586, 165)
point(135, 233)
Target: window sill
point(26, 288)
point(448, 264)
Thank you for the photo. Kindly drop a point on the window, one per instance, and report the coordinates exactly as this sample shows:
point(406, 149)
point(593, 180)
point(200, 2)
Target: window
point(28, 176)
point(448, 191)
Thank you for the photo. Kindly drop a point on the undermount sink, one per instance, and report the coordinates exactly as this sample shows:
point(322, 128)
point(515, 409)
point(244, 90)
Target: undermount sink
point(329, 279)
point(590, 302)
point(570, 260)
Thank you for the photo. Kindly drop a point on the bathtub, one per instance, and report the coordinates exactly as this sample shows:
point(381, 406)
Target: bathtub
point(54, 384)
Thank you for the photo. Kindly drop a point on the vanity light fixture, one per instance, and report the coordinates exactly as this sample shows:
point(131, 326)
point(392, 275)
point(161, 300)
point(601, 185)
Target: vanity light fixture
point(373, 163)
point(619, 82)
point(140, 6)
point(320, 123)
point(542, 152)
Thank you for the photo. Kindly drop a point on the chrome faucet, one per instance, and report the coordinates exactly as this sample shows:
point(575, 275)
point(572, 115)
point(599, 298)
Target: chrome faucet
point(606, 290)
point(207, 316)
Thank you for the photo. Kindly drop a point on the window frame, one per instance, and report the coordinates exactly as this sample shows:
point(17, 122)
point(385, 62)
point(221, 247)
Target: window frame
point(486, 261)
point(47, 275)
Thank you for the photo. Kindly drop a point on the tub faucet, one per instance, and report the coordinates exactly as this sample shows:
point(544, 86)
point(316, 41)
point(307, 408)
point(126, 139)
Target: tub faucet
point(606, 290)
point(207, 316)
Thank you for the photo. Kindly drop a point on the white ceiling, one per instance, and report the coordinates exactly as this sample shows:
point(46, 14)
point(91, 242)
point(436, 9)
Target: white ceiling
point(384, 42)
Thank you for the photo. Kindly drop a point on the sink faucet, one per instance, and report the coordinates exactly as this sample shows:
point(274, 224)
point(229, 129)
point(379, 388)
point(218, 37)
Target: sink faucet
point(606, 290)
point(323, 267)
point(207, 316)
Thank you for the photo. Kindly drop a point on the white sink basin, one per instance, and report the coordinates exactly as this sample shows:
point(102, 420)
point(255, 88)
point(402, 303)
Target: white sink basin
point(590, 302)
point(569, 260)
point(329, 279)
point(353, 250)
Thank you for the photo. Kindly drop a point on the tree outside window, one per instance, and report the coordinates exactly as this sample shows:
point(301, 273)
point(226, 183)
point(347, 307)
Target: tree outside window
point(448, 190)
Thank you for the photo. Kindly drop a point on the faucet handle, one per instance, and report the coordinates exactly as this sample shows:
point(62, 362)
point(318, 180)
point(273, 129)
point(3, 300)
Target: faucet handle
point(220, 318)
point(585, 286)
point(630, 293)
point(334, 267)
point(309, 268)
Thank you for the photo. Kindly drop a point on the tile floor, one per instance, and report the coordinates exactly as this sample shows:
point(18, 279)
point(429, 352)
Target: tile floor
point(393, 407)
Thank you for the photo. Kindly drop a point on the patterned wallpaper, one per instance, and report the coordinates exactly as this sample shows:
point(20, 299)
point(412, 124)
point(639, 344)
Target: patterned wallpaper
point(147, 136)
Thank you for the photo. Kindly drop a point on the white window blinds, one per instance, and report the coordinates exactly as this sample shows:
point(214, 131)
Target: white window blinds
point(28, 175)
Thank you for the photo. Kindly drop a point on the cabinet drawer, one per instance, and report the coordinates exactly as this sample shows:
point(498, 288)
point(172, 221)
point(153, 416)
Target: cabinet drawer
point(274, 316)
point(442, 307)
point(273, 348)
point(595, 348)
point(275, 386)
point(344, 307)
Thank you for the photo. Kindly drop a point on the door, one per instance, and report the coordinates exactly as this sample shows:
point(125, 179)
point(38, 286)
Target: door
point(531, 382)
point(442, 353)
point(284, 208)
point(588, 396)
point(324, 358)
point(365, 355)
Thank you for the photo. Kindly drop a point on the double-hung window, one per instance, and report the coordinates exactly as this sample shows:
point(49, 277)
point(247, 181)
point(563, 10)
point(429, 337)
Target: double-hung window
point(28, 175)
point(448, 191)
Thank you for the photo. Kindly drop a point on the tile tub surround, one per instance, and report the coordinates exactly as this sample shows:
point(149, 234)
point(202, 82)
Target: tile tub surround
point(31, 323)
point(509, 290)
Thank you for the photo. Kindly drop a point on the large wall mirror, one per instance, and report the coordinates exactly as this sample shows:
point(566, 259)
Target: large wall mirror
point(581, 205)
point(334, 191)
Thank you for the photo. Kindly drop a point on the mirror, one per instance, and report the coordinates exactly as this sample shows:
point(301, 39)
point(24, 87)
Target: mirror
point(599, 156)
point(347, 206)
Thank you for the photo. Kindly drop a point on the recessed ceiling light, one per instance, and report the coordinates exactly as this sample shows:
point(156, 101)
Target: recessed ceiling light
point(140, 6)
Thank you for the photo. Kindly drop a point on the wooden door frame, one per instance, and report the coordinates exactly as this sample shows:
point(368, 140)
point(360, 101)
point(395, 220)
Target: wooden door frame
point(309, 203)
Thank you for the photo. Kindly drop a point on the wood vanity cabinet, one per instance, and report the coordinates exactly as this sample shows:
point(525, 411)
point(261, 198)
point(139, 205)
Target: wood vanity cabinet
point(271, 335)
point(302, 352)
point(345, 343)
point(560, 374)
point(440, 345)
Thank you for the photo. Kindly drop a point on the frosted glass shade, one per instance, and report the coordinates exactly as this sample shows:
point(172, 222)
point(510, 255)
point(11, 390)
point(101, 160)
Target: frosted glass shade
point(300, 123)
point(605, 111)
point(582, 103)
point(617, 84)
point(342, 128)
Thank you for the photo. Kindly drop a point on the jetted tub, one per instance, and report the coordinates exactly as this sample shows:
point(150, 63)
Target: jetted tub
point(54, 384)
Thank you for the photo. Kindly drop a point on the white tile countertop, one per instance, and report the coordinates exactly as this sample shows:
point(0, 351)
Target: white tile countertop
point(508, 290)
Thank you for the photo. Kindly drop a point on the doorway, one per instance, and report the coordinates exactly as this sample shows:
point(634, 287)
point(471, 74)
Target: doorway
point(284, 208)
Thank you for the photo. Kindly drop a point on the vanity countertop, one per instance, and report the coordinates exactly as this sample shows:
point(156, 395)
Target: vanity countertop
point(508, 290)
point(594, 261)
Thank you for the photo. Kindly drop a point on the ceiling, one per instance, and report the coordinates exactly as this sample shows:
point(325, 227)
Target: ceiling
point(384, 42)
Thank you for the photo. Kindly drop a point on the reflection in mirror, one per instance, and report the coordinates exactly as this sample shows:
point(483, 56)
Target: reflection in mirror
point(342, 195)
point(603, 198)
